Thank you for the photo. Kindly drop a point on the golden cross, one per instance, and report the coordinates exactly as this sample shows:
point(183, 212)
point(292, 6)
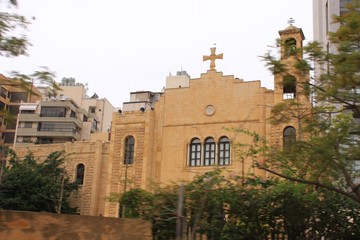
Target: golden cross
point(212, 58)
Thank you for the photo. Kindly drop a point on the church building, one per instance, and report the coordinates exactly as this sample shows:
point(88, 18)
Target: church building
point(186, 130)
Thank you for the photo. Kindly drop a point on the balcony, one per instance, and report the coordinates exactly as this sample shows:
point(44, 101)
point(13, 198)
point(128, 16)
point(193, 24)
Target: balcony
point(28, 117)
point(69, 104)
point(37, 118)
point(26, 131)
point(54, 133)
point(63, 133)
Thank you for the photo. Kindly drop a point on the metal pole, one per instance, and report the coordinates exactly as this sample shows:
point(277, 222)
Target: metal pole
point(179, 219)
point(125, 185)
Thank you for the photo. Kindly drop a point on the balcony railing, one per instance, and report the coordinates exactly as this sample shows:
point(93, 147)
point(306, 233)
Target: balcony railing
point(53, 132)
point(37, 118)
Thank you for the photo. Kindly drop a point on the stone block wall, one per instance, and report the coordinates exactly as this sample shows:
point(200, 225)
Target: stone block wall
point(91, 195)
point(17, 225)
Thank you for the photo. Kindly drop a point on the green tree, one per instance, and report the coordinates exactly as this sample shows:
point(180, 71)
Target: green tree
point(328, 154)
point(29, 185)
point(225, 208)
point(137, 203)
point(158, 206)
point(14, 43)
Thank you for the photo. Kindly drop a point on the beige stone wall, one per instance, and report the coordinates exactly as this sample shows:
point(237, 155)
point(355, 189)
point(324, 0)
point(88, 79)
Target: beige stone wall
point(91, 196)
point(130, 175)
point(237, 104)
point(162, 135)
point(104, 136)
point(16, 225)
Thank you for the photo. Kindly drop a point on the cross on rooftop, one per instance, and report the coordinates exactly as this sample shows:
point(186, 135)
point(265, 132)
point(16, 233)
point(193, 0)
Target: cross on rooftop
point(212, 57)
point(291, 21)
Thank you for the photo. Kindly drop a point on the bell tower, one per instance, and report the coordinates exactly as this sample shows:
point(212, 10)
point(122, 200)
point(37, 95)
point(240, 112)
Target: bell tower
point(291, 41)
point(291, 89)
point(290, 83)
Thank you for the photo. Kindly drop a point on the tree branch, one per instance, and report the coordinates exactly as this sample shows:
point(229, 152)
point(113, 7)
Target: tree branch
point(314, 183)
point(332, 95)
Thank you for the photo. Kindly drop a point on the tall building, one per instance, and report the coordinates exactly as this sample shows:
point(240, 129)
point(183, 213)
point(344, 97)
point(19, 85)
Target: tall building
point(68, 115)
point(187, 129)
point(99, 109)
point(323, 12)
point(56, 120)
point(12, 95)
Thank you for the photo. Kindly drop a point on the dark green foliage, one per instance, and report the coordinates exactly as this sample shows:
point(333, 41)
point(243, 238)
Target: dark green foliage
point(158, 207)
point(29, 185)
point(248, 209)
point(137, 203)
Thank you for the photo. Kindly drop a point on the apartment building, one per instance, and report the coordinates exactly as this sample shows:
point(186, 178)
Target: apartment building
point(56, 120)
point(99, 109)
point(95, 114)
point(323, 12)
point(12, 94)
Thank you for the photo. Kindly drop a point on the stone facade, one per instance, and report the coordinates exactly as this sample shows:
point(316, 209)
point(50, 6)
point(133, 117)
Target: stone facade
point(186, 130)
point(38, 226)
point(94, 155)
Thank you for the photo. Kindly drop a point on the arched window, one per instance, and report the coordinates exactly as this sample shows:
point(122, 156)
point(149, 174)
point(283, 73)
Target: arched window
point(129, 150)
point(195, 152)
point(290, 47)
point(209, 152)
point(289, 137)
point(289, 87)
point(224, 151)
point(80, 172)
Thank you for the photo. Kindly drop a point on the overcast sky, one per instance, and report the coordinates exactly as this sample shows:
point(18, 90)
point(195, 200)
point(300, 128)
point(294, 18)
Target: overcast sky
point(119, 46)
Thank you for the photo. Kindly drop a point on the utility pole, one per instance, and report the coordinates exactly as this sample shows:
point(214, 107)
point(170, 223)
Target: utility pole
point(179, 215)
point(122, 209)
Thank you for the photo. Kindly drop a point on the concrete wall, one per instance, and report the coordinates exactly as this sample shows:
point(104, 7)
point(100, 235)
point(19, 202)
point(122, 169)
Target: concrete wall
point(17, 225)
